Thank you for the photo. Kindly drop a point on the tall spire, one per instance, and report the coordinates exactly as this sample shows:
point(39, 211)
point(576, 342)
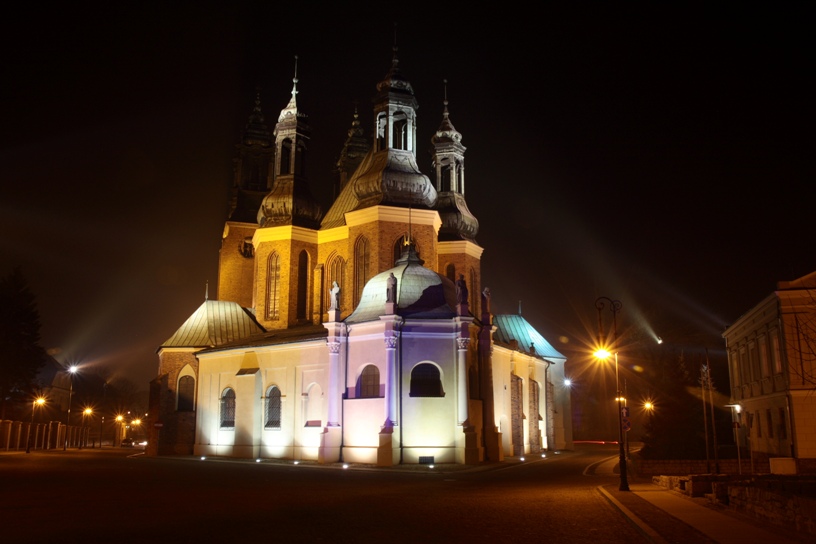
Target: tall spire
point(290, 202)
point(449, 165)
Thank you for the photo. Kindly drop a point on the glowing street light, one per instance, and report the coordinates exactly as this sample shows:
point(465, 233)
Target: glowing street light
point(71, 371)
point(87, 412)
point(39, 401)
point(119, 419)
point(604, 354)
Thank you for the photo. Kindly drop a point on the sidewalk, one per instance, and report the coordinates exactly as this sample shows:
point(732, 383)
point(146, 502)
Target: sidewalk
point(713, 523)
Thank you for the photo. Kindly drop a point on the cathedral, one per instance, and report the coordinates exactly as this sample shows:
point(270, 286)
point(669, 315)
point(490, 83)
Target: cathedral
point(361, 333)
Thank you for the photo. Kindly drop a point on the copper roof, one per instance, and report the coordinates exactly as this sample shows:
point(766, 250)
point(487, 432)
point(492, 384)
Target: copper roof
point(214, 323)
point(515, 327)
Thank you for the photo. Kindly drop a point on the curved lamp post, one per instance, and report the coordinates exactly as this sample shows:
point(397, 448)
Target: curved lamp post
point(603, 353)
point(39, 401)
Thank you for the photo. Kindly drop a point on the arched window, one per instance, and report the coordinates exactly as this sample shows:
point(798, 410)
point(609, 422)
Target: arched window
point(361, 267)
point(450, 271)
point(381, 122)
point(300, 159)
point(185, 401)
point(273, 408)
point(302, 283)
point(336, 267)
point(286, 157)
point(425, 381)
point(400, 133)
point(368, 384)
point(228, 409)
point(273, 286)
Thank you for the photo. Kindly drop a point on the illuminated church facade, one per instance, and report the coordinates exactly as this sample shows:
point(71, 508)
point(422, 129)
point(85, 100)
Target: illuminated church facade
point(360, 334)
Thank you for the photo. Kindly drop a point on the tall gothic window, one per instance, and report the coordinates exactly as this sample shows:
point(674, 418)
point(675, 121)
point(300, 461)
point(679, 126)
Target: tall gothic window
point(302, 284)
point(273, 286)
point(473, 291)
point(273, 408)
point(186, 394)
point(450, 272)
point(228, 409)
point(361, 267)
point(336, 267)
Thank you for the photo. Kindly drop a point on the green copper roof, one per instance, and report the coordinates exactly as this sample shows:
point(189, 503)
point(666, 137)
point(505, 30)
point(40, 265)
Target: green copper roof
point(515, 327)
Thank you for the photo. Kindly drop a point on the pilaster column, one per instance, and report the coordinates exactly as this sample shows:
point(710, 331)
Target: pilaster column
point(461, 375)
point(391, 380)
point(334, 380)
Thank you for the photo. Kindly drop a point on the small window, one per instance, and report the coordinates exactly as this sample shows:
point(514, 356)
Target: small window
point(769, 417)
point(228, 409)
point(425, 381)
point(273, 408)
point(368, 385)
point(186, 394)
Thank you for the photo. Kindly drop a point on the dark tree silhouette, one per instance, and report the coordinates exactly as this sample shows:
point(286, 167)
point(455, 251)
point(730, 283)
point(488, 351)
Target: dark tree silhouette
point(21, 355)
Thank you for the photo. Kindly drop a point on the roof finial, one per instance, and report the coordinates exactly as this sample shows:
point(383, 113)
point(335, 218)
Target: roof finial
point(206, 290)
point(295, 80)
point(519, 307)
point(445, 102)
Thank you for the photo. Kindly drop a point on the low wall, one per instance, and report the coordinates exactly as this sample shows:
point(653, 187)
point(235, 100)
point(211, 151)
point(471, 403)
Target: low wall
point(682, 467)
point(785, 501)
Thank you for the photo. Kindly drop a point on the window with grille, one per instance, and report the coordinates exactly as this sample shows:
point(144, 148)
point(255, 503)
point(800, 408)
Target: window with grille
point(186, 394)
point(228, 409)
point(273, 408)
point(425, 381)
point(368, 385)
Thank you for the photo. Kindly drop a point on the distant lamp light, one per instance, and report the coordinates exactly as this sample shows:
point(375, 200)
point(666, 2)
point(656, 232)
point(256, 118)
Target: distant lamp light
point(659, 340)
point(345, 466)
point(567, 382)
point(203, 458)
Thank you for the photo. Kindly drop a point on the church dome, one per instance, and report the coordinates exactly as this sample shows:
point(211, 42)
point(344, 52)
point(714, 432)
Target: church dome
point(420, 292)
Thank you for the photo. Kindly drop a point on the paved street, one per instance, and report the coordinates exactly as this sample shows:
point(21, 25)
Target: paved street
point(120, 495)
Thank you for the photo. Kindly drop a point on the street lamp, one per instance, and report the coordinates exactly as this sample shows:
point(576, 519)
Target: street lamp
point(604, 354)
point(71, 371)
point(39, 401)
point(118, 430)
point(85, 413)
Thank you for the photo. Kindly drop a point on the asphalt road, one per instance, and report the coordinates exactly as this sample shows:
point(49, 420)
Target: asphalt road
point(120, 495)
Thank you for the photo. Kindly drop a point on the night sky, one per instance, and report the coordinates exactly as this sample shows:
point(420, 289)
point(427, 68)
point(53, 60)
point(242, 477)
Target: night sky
point(655, 157)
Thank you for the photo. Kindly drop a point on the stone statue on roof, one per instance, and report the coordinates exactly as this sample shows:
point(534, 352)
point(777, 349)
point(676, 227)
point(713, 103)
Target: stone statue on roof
point(334, 298)
point(391, 289)
point(461, 290)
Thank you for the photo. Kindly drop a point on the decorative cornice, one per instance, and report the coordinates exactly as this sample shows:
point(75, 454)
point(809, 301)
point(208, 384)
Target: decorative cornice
point(460, 246)
point(395, 215)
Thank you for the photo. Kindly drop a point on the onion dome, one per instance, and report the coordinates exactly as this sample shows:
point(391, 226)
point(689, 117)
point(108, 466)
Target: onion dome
point(421, 293)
